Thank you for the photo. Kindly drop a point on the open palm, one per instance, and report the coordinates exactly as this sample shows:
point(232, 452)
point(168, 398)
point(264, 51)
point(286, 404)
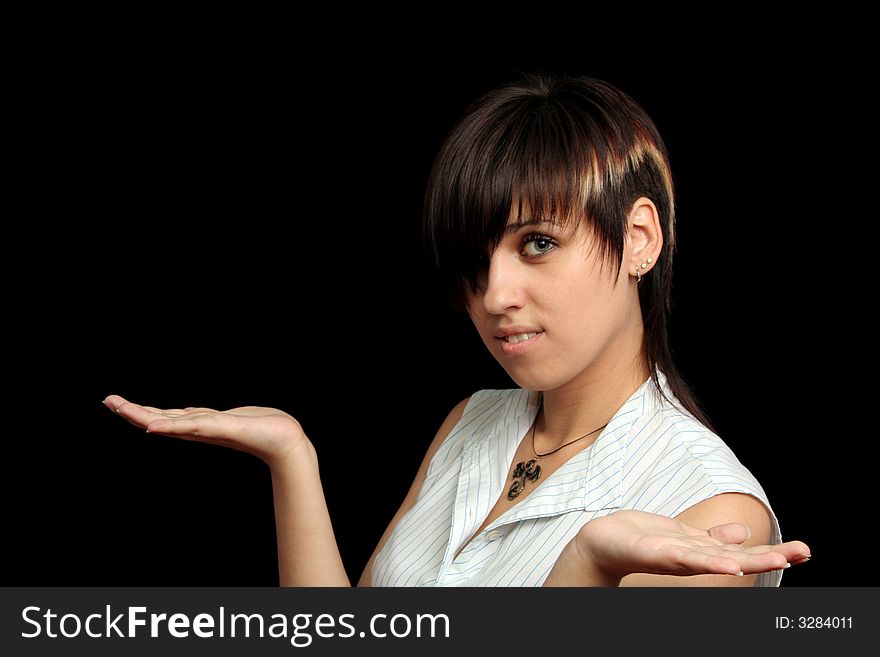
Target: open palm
point(631, 541)
point(264, 432)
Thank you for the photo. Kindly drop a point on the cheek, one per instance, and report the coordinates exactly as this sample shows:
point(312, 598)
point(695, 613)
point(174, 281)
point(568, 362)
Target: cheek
point(587, 312)
point(581, 303)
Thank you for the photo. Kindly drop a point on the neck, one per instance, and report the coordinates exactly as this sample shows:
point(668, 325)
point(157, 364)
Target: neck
point(591, 399)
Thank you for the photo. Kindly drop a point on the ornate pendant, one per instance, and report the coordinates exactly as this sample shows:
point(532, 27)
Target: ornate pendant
point(524, 470)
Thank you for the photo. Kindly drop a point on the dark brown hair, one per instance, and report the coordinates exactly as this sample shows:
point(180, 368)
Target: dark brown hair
point(569, 149)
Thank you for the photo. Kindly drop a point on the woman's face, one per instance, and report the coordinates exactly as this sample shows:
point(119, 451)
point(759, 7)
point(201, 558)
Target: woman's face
point(550, 312)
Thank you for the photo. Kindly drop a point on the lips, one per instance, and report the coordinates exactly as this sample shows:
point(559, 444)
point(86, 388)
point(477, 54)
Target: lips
point(517, 340)
point(520, 337)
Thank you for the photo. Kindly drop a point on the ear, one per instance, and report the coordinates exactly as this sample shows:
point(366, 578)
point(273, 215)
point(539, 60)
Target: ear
point(644, 237)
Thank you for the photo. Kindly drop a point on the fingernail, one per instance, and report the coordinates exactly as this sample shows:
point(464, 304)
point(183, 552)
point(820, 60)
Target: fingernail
point(148, 431)
point(788, 565)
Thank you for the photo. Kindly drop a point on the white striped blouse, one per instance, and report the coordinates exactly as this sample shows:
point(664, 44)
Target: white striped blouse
point(652, 456)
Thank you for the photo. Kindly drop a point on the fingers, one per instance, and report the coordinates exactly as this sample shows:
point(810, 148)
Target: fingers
point(733, 532)
point(143, 416)
point(732, 535)
point(752, 563)
point(217, 428)
point(136, 415)
point(698, 555)
point(796, 552)
point(760, 558)
point(113, 402)
point(713, 564)
point(724, 560)
point(202, 424)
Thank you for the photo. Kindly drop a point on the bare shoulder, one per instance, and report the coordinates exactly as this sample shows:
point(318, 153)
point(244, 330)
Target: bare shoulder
point(731, 507)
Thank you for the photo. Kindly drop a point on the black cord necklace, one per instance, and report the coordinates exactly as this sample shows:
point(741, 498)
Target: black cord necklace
point(530, 470)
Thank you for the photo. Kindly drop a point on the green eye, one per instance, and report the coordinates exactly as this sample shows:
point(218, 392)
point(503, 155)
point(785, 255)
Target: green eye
point(537, 245)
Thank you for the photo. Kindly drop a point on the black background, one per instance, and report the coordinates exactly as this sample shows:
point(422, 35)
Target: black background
point(219, 221)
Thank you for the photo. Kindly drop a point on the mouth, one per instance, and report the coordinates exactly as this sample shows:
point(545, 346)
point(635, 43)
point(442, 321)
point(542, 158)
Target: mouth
point(519, 337)
point(518, 343)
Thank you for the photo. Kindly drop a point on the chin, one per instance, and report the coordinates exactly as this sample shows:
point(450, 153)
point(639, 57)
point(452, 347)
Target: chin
point(531, 381)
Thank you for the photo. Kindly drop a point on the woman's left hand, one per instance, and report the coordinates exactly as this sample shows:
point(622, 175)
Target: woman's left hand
point(624, 542)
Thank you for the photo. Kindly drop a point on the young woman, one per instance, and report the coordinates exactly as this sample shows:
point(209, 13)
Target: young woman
point(550, 216)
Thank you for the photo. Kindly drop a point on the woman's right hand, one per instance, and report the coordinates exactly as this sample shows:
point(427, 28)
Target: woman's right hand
point(267, 433)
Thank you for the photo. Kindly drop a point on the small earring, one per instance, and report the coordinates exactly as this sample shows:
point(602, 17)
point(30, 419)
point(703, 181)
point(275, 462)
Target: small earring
point(638, 277)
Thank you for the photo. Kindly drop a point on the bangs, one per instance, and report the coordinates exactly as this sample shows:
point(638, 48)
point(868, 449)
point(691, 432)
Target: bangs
point(549, 151)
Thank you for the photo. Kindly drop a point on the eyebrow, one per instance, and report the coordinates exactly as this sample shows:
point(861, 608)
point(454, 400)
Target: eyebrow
point(513, 228)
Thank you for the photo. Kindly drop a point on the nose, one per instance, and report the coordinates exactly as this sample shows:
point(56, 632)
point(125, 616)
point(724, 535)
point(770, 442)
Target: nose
point(503, 288)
